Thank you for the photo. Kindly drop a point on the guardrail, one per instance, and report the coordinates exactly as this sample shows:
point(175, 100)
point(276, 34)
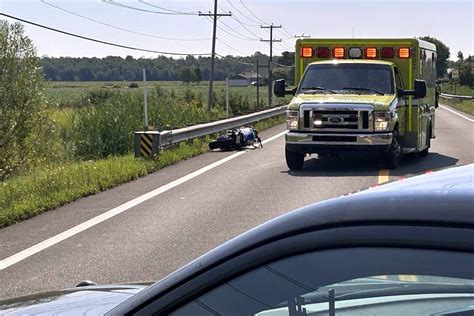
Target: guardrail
point(456, 97)
point(167, 138)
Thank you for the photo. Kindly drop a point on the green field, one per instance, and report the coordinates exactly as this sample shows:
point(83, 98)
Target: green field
point(460, 90)
point(73, 94)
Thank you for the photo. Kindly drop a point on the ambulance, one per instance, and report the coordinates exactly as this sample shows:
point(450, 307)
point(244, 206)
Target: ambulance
point(360, 95)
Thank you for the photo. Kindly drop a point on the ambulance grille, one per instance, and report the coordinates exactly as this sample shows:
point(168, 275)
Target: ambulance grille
point(322, 119)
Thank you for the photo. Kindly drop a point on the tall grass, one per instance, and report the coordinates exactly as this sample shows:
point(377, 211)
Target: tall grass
point(55, 184)
point(460, 90)
point(107, 127)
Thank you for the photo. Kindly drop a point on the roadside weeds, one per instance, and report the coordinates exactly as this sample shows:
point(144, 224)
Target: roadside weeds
point(54, 185)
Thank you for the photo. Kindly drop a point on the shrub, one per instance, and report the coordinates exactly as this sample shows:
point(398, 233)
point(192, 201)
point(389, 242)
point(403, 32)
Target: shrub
point(22, 105)
point(133, 85)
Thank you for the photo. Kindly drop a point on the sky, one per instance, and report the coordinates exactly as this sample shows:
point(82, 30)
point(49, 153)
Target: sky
point(239, 34)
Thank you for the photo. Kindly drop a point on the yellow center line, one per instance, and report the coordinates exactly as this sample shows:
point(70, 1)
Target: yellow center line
point(383, 176)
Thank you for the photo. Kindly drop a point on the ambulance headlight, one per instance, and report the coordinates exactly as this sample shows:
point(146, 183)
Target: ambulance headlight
point(381, 121)
point(292, 120)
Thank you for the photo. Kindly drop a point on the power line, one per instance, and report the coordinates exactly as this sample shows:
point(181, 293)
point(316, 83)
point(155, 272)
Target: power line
point(234, 60)
point(245, 27)
point(225, 43)
point(242, 24)
point(284, 45)
point(112, 2)
point(285, 66)
point(288, 33)
point(252, 13)
point(244, 15)
point(229, 33)
point(242, 35)
point(100, 41)
point(170, 10)
point(121, 28)
point(246, 38)
point(233, 48)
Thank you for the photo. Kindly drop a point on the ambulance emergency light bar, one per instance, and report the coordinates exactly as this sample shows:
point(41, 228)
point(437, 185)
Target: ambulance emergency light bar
point(354, 52)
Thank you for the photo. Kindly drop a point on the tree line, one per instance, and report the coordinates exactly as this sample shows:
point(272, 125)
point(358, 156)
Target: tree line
point(188, 69)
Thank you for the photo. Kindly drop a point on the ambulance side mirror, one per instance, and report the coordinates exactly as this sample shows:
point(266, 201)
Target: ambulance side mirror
point(420, 89)
point(418, 93)
point(279, 88)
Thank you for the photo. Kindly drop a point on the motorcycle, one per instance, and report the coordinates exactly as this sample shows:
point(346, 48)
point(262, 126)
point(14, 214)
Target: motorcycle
point(235, 139)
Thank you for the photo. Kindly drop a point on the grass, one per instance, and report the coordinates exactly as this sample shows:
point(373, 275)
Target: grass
point(466, 106)
point(54, 185)
point(74, 93)
point(460, 90)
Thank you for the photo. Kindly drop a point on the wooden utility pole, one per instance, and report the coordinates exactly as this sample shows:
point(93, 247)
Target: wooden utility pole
point(214, 16)
point(302, 36)
point(270, 65)
point(258, 81)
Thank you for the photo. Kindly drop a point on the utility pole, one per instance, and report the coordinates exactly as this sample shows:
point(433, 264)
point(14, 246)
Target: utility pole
point(302, 36)
point(258, 81)
point(271, 40)
point(214, 16)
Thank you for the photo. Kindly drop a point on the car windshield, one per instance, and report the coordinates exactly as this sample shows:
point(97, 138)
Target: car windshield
point(348, 78)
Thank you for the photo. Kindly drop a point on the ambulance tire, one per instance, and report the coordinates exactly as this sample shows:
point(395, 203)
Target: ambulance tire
point(425, 151)
point(294, 160)
point(392, 157)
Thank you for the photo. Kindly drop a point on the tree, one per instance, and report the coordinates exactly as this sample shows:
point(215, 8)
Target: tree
point(442, 52)
point(186, 75)
point(197, 75)
point(460, 56)
point(287, 58)
point(466, 76)
point(21, 106)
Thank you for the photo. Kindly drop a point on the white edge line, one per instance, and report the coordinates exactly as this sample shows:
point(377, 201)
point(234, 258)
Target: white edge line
point(28, 252)
point(457, 113)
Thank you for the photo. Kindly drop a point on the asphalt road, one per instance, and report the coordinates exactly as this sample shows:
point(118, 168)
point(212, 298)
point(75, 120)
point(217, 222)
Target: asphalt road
point(193, 215)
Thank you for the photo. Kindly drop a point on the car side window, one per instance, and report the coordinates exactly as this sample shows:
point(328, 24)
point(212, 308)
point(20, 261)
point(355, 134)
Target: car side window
point(398, 79)
point(375, 281)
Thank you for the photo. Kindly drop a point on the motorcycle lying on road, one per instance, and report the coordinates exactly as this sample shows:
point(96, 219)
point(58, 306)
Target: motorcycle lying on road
point(235, 139)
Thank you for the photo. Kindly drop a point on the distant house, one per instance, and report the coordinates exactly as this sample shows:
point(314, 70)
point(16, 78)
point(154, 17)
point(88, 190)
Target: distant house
point(244, 79)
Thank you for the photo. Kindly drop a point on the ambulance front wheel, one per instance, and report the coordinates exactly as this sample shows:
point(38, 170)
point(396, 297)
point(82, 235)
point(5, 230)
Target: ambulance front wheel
point(294, 159)
point(392, 157)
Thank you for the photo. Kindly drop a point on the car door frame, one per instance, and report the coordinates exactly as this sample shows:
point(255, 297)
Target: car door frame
point(376, 234)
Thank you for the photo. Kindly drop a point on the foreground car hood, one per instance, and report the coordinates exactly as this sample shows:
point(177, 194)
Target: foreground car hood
point(87, 300)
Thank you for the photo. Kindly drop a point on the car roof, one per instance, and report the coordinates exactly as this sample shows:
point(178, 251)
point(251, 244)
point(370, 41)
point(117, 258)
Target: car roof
point(352, 61)
point(442, 198)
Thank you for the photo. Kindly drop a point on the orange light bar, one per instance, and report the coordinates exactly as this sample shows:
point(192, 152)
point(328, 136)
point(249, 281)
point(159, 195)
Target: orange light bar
point(306, 52)
point(338, 52)
point(370, 52)
point(404, 52)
